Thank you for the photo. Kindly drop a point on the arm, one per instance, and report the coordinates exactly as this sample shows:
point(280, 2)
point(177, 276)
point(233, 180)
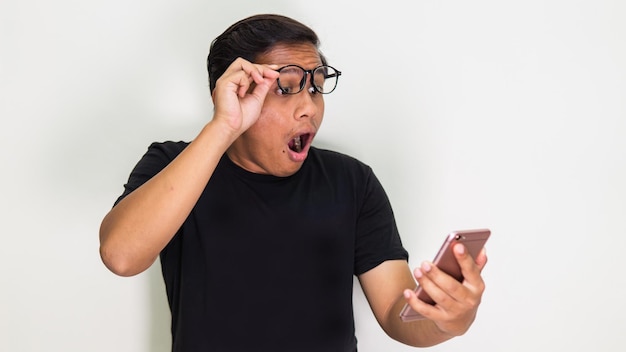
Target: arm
point(135, 231)
point(390, 285)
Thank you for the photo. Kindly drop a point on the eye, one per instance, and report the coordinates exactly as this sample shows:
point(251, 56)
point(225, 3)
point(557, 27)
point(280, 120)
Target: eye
point(282, 91)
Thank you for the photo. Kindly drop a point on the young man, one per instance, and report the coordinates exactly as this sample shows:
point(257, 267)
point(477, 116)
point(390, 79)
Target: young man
point(259, 233)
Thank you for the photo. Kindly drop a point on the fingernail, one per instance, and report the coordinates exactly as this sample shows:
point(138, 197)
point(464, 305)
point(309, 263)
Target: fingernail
point(426, 266)
point(459, 249)
point(418, 273)
point(407, 294)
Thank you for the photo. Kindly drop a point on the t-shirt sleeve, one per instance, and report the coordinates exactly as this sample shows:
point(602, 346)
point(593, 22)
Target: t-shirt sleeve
point(377, 238)
point(158, 156)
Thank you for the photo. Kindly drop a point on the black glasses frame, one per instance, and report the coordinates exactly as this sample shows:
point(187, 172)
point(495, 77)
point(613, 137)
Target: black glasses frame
point(310, 73)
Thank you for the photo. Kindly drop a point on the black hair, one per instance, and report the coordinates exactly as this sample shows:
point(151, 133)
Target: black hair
point(253, 36)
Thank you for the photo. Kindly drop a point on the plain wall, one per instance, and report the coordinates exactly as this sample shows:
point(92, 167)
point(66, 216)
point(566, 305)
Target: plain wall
point(502, 114)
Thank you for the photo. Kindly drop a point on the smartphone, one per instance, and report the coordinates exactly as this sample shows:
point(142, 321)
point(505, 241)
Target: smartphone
point(474, 241)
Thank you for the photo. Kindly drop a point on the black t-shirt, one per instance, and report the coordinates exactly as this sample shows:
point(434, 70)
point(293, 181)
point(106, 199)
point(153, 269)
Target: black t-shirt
point(266, 263)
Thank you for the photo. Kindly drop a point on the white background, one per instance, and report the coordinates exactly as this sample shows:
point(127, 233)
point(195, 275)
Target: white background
point(502, 114)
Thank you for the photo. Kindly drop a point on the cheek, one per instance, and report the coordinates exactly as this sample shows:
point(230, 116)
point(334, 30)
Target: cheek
point(270, 127)
point(270, 120)
point(320, 115)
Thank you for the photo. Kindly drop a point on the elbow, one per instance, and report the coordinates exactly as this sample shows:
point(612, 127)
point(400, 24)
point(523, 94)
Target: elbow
point(119, 258)
point(118, 263)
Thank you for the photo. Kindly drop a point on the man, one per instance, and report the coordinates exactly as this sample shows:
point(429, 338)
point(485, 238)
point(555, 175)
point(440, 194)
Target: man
point(259, 233)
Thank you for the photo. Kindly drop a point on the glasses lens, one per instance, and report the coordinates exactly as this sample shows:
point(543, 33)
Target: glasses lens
point(291, 79)
point(325, 78)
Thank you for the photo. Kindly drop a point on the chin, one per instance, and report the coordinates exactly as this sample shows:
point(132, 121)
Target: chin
point(285, 168)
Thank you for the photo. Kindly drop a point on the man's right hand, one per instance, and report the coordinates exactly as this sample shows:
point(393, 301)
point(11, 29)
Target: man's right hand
point(240, 92)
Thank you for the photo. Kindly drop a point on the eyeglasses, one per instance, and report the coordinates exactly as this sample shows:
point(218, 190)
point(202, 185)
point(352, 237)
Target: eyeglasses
point(292, 79)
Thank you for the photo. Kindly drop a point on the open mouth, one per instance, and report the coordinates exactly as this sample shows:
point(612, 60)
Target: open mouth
point(298, 143)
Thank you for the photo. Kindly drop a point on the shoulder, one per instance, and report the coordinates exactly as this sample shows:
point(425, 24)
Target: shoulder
point(157, 157)
point(167, 149)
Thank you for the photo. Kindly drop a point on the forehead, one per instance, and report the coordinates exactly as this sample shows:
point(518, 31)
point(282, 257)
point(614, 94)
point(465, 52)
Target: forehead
point(302, 54)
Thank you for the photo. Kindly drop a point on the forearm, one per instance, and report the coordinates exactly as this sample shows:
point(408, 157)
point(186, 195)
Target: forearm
point(135, 231)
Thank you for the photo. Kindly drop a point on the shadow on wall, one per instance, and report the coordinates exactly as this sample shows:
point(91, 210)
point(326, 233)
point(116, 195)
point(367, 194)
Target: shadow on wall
point(160, 317)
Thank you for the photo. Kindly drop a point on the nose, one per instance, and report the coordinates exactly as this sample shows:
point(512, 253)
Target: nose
point(309, 104)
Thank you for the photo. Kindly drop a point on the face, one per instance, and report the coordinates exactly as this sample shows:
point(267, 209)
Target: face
point(279, 142)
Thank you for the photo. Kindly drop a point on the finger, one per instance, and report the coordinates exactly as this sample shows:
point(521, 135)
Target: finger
point(240, 64)
point(268, 73)
point(236, 81)
point(240, 74)
point(265, 80)
point(244, 85)
point(469, 267)
point(481, 259)
point(419, 306)
point(257, 72)
point(436, 283)
point(444, 303)
point(259, 76)
point(473, 284)
point(452, 299)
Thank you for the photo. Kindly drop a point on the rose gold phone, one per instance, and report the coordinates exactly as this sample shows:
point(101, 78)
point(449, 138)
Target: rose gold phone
point(474, 241)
